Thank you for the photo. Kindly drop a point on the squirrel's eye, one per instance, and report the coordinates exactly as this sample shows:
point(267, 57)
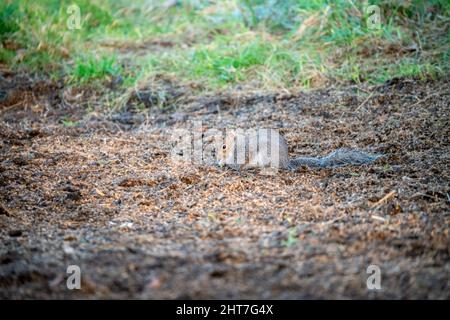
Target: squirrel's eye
point(224, 146)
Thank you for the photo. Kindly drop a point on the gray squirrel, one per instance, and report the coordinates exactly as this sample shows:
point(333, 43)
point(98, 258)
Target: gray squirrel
point(267, 148)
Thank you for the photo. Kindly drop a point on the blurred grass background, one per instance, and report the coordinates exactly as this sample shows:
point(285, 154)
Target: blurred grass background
point(215, 45)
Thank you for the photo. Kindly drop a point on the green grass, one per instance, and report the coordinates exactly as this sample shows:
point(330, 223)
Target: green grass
point(88, 68)
point(69, 123)
point(253, 43)
point(292, 238)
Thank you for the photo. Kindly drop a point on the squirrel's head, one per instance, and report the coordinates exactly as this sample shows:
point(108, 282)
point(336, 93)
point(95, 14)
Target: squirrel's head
point(225, 149)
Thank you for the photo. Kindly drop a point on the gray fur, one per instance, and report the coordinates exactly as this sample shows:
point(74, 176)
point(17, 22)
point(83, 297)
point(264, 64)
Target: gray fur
point(339, 158)
point(255, 148)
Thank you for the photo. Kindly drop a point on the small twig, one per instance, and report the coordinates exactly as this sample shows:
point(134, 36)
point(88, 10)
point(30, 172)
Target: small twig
point(425, 99)
point(383, 200)
point(6, 109)
point(364, 102)
point(363, 90)
point(332, 221)
point(378, 218)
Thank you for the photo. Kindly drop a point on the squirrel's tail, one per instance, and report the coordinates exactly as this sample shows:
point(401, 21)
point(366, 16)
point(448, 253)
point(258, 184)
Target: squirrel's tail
point(338, 158)
point(304, 161)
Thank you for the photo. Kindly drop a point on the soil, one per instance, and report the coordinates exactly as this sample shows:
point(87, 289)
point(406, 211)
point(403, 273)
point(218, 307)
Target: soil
point(102, 192)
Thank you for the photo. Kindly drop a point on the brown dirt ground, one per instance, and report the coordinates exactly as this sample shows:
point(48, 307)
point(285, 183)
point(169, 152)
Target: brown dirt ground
point(104, 194)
